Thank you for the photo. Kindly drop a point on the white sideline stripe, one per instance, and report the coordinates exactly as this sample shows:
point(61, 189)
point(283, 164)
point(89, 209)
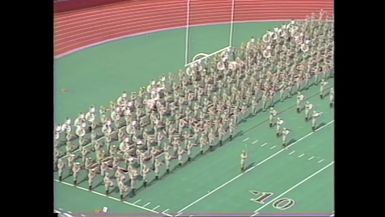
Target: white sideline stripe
point(141, 207)
point(273, 147)
point(114, 198)
point(207, 56)
point(245, 139)
point(167, 214)
point(239, 175)
point(137, 201)
point(301, 155)
point(64, 183)
point(291, 153)
point(84, 189)
point(255, 141)
point(296, 185)
point(264, 144)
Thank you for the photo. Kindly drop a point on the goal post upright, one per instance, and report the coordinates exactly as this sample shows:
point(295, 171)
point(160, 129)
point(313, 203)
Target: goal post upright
point(187, 31)
point(231, 23)
point(187, 47)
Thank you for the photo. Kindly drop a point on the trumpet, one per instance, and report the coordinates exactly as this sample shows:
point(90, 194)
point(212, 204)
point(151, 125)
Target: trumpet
point(220, 66)
point(304, 47)
point(233, 65)
point(298, 39)
point(274, 36)
point(267, 37)
point(284, 48)
point(266, 54)
point(80, 131)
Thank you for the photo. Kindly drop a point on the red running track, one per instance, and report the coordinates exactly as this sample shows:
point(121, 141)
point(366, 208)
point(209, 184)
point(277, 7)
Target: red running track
point(79, 29)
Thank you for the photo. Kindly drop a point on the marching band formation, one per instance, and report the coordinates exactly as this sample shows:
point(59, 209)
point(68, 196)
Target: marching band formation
point(141, 136)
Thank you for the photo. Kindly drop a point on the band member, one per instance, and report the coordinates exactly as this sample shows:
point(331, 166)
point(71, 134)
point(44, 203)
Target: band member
point(300, 99)
point(108, 183)
point(60, 167)
point(314, 118)
point(323, 88)
point(272, 117)
point(331, 97)
point(279, 126)
point(308, 110)
point(75, 171)
point(91, 177)
point(243, 160)
point(285, 133)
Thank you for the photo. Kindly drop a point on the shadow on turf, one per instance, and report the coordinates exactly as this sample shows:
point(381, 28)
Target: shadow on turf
point(321, 125)
point(99, 184)
point(291, 141)
point(83, 180)
point(250, 165)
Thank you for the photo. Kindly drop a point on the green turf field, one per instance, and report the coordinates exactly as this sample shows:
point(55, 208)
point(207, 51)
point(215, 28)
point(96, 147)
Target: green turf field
point(212, 183)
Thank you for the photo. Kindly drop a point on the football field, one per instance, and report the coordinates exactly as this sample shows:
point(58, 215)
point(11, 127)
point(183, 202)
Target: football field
point(297, 180)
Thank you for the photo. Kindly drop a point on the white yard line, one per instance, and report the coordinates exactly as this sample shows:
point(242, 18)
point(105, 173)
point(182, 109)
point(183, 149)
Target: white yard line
point(261, 162)
point(255, 141)
point(273, 147)
point(291, 153)
point(264, 144)
point(299, 156)
point(114, 198)
point(293, 187)
point(245, 139)
point(167, 214)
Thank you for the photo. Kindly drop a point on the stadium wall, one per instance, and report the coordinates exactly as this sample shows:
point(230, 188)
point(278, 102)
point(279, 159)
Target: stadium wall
point(79, 29)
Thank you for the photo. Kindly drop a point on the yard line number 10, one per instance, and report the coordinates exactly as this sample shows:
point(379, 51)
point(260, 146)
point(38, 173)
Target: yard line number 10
point(281, 203)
